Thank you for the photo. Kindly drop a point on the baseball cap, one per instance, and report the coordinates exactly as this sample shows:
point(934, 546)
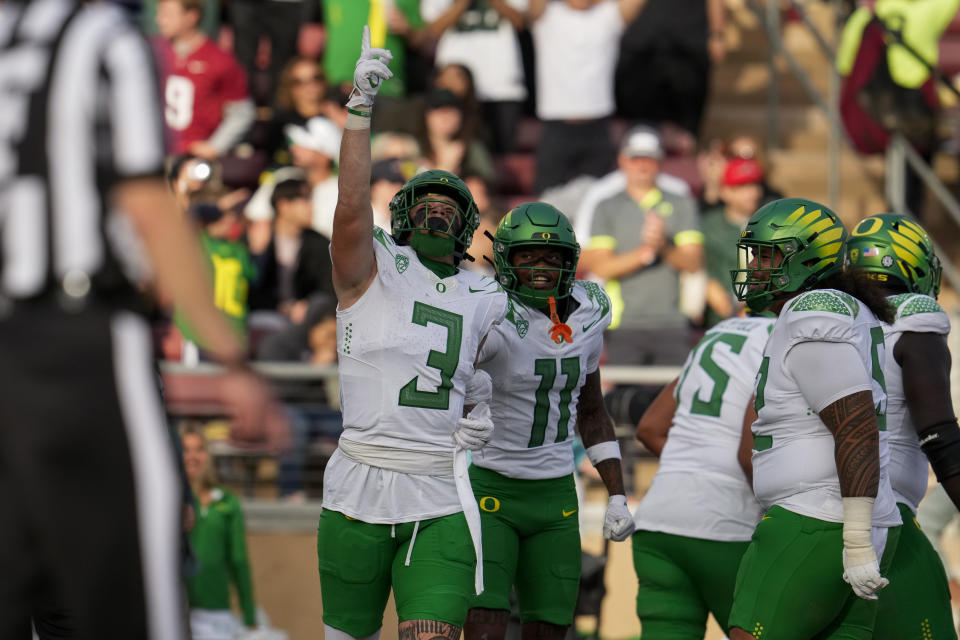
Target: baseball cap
point(319, 134)
point(742, 171)
point(642, 142)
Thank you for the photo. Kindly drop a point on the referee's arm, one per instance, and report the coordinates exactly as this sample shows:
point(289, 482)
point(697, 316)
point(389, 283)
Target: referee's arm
point(141, 193)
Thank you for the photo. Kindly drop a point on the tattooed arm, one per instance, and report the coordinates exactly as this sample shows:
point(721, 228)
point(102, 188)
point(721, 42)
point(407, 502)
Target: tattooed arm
point(595, 426)
point(853, 422)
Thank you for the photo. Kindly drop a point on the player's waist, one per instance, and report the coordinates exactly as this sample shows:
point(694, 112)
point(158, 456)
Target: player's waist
point(401, 460)
point(553, 460)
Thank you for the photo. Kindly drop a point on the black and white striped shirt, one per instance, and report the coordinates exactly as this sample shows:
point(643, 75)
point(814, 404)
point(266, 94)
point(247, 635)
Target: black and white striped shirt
point(79, 112)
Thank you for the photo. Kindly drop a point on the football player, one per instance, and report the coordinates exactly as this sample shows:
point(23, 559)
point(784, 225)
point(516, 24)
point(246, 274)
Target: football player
point(820, 449)
point(898, 254)
point(546, 379)
point(695, 522)
point(398, 510)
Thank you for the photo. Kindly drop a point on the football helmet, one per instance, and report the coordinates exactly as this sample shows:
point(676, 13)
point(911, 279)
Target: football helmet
point(542, 225)
point(808, 238)
point(891, 246)
point(457, 232)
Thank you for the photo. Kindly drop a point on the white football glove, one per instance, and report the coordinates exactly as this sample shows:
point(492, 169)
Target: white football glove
point(369, 74)
point(617, 521)
point(479, 388)
point(862, 572)
point(474, 431)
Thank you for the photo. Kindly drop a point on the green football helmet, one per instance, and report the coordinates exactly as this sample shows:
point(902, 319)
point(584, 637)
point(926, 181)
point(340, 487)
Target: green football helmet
point(809, 237)
point(458, 233)
point(542, 225)
point(891, 246)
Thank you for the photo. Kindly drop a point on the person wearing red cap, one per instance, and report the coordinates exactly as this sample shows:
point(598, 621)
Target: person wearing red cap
point(741, 193)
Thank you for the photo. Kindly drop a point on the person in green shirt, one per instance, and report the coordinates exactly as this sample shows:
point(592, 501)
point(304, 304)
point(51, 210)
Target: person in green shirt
point(741, 193)
point(230, 266)
point(393, 25)
point(219, 542)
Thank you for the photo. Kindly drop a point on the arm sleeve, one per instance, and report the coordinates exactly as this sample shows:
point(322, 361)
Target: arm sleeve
point(136, 122)
point(238, 117)
point(239, 564)
point(826, 372)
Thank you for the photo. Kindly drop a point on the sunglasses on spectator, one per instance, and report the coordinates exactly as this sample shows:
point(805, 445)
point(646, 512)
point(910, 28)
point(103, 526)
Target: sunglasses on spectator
point(301, 81)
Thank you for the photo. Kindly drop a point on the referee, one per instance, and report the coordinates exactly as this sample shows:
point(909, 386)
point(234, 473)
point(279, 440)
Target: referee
point(89, 497)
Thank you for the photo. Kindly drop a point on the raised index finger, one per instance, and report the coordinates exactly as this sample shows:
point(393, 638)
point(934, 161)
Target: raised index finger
point(365, 42)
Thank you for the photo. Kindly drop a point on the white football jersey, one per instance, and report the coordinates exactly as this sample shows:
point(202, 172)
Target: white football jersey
point(908, 464)
point(406, 351)
point(536, 386)
point(793, 457)
point(700, 490)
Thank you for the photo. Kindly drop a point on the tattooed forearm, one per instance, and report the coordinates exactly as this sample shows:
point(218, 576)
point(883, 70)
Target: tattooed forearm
point(428, 630)
point(611, 474)
point(853, 422)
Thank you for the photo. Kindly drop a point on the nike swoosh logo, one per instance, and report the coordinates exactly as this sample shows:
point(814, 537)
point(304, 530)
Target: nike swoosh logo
point(587, 326)
point(472, 290)
point(566, 513)
point(765, 518)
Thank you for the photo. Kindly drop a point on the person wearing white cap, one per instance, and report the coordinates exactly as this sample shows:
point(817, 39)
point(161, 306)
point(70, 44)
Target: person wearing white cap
point(313, 147)
point(641, 240)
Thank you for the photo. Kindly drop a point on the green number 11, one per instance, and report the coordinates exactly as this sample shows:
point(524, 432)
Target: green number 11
point(546, 370)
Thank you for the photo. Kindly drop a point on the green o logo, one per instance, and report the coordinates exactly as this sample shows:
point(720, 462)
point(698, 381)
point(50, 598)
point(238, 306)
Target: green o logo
point(489, 504)
point(868, 227)
point(442, 288)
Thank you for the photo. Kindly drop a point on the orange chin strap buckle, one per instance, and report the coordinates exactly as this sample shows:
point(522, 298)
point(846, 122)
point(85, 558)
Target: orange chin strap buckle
point(559, 332)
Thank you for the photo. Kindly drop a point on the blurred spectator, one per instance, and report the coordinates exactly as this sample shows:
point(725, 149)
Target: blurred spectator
point(458, 80)
point(575, 42)
point(301, 95)
point(386, 178)
point(395, 145)
point(445, 144)
point(277, 20)
point(393, 25)
point(207, 108)
point(741, 195)
point(219, 541)
point(314, 148)
point(293, 260)
point(714, 160)
point(209, 23)
point(596, 191)
point(189, 175)
point(231, 269)
point(312, 340)
point(481, 35)
point(888, 88)
point(663, 73)
point(642, 238)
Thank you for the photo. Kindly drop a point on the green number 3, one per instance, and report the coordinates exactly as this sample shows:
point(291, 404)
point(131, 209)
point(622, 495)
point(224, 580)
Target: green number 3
point(446, 361)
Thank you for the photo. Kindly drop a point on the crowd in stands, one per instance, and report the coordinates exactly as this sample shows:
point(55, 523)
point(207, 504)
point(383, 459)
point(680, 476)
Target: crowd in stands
point(525, 99)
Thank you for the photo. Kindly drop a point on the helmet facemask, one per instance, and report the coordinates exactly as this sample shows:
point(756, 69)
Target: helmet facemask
point(436, 216)
point(565, 269)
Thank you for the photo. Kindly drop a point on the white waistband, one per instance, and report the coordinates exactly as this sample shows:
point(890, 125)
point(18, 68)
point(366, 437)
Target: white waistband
point(427, 463)
point(421, 463)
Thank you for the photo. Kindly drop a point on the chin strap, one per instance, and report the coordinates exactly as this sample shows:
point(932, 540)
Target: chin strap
point(559, 332)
